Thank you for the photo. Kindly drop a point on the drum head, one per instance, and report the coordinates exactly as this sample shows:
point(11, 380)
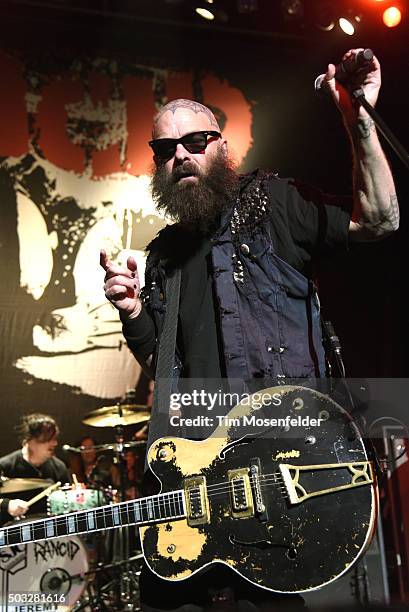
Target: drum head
point(66, 500)
point(52, 567)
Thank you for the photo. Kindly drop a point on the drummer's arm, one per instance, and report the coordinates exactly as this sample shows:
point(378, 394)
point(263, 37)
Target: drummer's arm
point(4, 506)
point(13, 507)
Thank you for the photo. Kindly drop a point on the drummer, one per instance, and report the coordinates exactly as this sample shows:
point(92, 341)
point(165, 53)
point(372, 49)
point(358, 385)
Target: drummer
point(36, 457)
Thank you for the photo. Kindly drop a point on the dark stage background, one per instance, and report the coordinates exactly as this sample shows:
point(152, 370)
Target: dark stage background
point(78, 92)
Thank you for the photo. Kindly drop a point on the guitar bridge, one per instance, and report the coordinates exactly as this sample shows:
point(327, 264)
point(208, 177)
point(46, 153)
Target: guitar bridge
point(242, 504)
point(197, 502)
point(361, 474)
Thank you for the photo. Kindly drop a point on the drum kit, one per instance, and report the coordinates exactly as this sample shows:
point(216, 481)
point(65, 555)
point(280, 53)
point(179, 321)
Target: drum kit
point(94, 573)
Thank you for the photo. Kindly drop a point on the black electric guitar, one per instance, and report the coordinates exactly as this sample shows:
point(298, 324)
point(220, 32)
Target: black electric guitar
point(290, 504)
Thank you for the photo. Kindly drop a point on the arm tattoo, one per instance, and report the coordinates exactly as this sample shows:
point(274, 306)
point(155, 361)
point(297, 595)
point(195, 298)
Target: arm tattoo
point(195, 107)
point(363, 128)
point(394, 211)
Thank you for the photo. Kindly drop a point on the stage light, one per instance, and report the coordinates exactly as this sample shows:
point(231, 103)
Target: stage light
point(392, 17)
point(205, 13)
point(349, 24)
point(346, 26)
point(292, 9)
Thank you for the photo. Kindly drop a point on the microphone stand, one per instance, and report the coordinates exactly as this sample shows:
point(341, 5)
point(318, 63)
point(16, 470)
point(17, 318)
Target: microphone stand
point(399, 149)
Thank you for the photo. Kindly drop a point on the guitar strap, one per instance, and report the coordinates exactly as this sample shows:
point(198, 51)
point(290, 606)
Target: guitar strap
point(166, 357)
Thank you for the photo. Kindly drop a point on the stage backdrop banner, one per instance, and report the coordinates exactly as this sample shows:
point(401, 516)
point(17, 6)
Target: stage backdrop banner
point(74, 178)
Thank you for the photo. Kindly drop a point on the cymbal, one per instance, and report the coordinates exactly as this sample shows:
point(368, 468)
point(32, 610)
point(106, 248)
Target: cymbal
point(120, 414)
point(110, 446)
point(16, 485)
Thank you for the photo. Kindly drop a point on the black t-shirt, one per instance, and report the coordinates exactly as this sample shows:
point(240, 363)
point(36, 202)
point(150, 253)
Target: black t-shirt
point(304, 224)
point(15, 466)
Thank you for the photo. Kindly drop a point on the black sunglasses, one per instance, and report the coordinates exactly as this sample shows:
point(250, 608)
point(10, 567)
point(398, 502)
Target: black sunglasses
point(195, 142)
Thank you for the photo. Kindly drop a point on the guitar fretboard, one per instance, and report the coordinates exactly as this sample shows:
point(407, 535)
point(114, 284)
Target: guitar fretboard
point(165, 506)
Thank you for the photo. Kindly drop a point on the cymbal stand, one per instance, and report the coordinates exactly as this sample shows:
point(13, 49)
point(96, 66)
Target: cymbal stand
point(126, 578)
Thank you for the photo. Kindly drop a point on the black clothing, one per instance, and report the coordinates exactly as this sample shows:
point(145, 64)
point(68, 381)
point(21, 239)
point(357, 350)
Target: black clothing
point(198, 340)
point(14, 465)
point(303, 223)
point(300, 224)
point(4, 515)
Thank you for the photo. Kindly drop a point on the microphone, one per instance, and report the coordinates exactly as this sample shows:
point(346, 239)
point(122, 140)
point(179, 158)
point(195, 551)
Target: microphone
point(345, 68)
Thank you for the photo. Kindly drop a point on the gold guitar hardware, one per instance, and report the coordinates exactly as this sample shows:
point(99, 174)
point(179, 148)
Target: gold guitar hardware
point(240, 493)
point(361, 475)
point(197, 502)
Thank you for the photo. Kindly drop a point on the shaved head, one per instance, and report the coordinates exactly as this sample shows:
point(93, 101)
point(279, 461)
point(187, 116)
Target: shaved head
point(192, 188)
point(187, 105)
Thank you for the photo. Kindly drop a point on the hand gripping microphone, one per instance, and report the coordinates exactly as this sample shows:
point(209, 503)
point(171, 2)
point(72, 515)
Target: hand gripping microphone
point(345, 68)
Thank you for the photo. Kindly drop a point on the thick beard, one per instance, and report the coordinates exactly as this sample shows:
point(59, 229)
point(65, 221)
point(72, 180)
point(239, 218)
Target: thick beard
point(197, 206)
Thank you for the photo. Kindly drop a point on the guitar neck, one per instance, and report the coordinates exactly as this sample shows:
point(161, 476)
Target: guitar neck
point(152, 509)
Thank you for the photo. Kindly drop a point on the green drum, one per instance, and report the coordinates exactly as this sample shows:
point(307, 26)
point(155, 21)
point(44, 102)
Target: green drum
point(68, 499)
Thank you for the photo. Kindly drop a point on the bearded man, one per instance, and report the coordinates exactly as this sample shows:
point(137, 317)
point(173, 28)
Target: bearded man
point(244, 243)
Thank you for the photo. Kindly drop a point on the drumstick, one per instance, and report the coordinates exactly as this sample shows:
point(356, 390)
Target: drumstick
point(43, 493)
point(75, 479)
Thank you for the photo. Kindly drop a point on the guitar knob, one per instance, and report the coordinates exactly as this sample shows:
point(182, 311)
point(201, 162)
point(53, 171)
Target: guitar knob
point(298, 403)
point(162, 454)
point(171, 549)
point(310, 440)
point(291, 553)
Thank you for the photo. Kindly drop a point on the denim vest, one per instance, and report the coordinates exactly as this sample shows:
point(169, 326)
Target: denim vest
point(269, 312)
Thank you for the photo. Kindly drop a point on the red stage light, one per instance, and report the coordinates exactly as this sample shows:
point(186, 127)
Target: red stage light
point(392, 16)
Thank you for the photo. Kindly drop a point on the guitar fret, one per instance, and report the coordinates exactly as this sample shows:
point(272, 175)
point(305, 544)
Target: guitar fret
point(61, 525)
point(14, 536)
point(182, 507)
point(172, 501)
point(116, 517)
point(71, 524)
point(107, 518)
point(90, 520)
point(167, 508)
point(156, 508)
point(137, 511)
point(175, 504)
point(25, 533)
point(100, 519)
point(39, 530)
point(49, 528)
point(144, 511)
point(82, 525)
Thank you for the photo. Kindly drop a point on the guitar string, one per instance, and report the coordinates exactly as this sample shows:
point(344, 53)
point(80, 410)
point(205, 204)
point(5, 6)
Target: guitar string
point(148, 504)
point(156, 502)
point(122, 508)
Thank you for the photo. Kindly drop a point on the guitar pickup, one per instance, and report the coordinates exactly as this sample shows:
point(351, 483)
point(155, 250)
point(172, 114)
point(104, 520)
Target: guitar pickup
point(197, 502)
point(241, 497)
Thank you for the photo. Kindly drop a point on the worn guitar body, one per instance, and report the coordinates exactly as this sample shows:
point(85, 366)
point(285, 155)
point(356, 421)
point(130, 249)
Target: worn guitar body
point(290, 509)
